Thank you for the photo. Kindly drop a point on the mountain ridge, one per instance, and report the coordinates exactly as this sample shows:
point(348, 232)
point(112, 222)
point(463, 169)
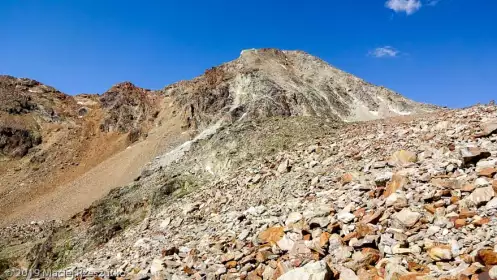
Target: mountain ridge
point(110, 161)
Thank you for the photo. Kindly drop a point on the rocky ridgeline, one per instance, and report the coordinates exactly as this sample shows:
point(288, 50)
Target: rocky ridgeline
point(406, 198)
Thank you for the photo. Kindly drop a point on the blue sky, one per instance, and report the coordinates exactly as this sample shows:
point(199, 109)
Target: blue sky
point(442, 52)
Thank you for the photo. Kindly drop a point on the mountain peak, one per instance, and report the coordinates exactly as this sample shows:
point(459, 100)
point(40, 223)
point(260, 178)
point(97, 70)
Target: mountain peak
point(271, 82)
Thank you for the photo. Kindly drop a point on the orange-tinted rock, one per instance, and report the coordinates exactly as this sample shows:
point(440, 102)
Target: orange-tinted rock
point(347, 178)
point(187, 270)
point(363, 229)
point(440, 253)
point(480, 222)
point(459, 223)
point(272, 235)
point(468, 188)
point(454, 199)
point(359, 213)
point(230, 264)
point(324, 239)
point(465, 213)
point(430, 208)
point(415, 267)
point(412, 276)
point(396, 183)
point(372, 218)
point(488, 172)
point(349, 236)
point(487, 257)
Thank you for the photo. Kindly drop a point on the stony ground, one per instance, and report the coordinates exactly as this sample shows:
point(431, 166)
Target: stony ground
point(406, 198)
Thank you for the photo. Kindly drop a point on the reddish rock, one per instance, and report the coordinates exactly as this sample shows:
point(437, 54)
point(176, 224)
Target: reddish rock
point(349, 236)
point(396, 183)
point(480, 222)
point(468, 188)
point(430, 208)
point(230, 264)
point(363, 229)
point(459, 223)
point(465, 213)
point(324, 239)
point(372, 218)
point(415, 267)
point(454, 199)
point(488, 172)
point(272, 235)
point(487, 257)
point(347, 178)
point(359, 213)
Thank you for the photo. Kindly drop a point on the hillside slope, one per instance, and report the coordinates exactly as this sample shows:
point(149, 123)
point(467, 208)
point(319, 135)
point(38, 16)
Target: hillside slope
point(52, 143)
point(256, 124)
point(401, 198)
point(49, 139)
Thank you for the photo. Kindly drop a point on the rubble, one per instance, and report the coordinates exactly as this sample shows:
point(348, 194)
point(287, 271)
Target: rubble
point(413, 218)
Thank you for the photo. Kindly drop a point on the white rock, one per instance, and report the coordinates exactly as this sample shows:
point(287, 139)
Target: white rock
point(481, 182)
point(492, 204)
point(243, 234)
point(283, 167)
point(407, 217)
point(311, 271)
point(480, 195)
point(156, 267)
point(165, 223)
point(432, 230)
point(347, 274)
point(293, 218)
point(345, 216)
point(493, 272)
point(285, 243)
point(482, 164)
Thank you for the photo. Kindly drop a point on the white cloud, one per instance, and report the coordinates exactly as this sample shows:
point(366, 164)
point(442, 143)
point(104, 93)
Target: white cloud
point(406, 6)
point(386, 51)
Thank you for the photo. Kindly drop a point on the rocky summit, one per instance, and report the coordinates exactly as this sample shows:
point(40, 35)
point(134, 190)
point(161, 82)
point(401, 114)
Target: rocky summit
point(271, 82)
point(288, 169)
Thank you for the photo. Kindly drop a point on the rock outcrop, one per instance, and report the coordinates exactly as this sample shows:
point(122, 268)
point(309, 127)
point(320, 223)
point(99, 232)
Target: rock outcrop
point(128, 108)
point(271, 82)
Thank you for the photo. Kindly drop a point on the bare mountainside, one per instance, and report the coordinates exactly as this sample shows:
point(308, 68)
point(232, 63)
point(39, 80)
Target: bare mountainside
point(271, 82)
point(50, 141)
point(112, 163)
